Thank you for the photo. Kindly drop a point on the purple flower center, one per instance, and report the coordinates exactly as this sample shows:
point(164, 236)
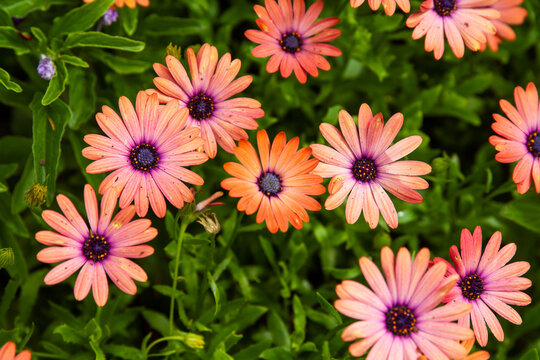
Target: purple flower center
point(144, 157)
point(109, 17)
point(95, 248)
point(472, 286)
point(269, 184)
point(533, 144)
point(400, 320)
point(291, 42)
point(364, 170)
point(445, 7)
point(201, 106)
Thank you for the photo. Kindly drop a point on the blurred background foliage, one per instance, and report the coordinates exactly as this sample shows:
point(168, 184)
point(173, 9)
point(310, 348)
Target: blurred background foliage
point(248, 293)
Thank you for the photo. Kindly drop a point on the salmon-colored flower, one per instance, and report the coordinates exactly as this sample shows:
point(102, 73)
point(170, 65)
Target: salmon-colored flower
point(388, 5)
point(487, 283)
point(104, 248)
point(461, 21)
point(129, 3)
point(467, 344)
point(363, 164)
point(293, 39)
point(7, 352)
point(520, 137)
point(148, 151)
point(205, 96)
point(398, 314)
point(276, 182)
point(511, 14)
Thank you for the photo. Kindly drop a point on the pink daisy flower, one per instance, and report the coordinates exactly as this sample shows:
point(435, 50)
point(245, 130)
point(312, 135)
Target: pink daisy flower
point(486, 283)
point(520, 137)
point(148, 152)
point(388, 5)
point(7, 352)
point(293, 39)
point(363, 164)
point(206, 95)
point(511, 14)
point(461, 21)
point(398, 315)
point(104, 249)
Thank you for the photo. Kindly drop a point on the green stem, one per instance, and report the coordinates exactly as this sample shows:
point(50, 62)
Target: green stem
point(183, 226)
point(166, 338)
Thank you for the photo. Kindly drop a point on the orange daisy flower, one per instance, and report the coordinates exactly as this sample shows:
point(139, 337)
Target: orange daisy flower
point(467, 344)
point(276, 182)
point(129, 3)
point(511, 14)
point(388, 5)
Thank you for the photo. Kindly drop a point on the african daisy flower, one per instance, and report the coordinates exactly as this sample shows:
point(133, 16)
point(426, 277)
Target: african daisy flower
point(511, 14)
point(468, 344)
point(147, 150)
point(520, 137)
point(388, 5)
point(129, 3)
point(365, 165)
point(276, 182)
point(486, 283)
point(398, 315)
point(461, 21)
point(7, 352)
point(205, 96)
point(292, 39)
point(104, 248)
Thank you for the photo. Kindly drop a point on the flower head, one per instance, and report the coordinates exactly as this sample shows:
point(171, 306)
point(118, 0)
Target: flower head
point(46, 68)
point(293, 39)
point(398, 315)
point(148, 151)
point(388, 5)
point(511, 14)
point(363, 164)
point(103, 248)
point(461, 21)
point(277, 182)
point(129, 3)
point(7, 352)
point(520, 137)
point(109, 17)
point(205, 96)
point(487, 283)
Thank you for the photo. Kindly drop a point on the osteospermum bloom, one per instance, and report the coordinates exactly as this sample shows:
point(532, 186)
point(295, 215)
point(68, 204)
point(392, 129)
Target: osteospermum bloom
point(520, 137)
point(511, 14)
point(276, 182)
point(148, 151)
point(461, 21)
point(468, 344)
point(398, 315)
point(129, 3)
point(363, 164)
point(206, 96)
point(388, 5)
point(293, 39)
point(7, 352)
point(103, 248)
point(487, 283)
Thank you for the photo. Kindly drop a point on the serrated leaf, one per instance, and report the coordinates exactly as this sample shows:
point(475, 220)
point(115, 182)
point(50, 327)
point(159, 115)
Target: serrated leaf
point(80, 18)
point(70, 335)
point(102, 40)
point(57, 84)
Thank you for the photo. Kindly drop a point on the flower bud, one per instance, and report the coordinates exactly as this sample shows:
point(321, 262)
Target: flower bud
point(174, 50)
point(7, 257)
point(46, 68)
point(210, 222)
point(35, 196)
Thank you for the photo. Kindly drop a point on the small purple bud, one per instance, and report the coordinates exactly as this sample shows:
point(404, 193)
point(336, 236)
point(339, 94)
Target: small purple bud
point(46, 68)
point(16, 20)
point(109, 17)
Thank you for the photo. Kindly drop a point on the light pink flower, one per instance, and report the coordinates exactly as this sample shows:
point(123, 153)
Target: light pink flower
point(7, 352)
point(520, 137)
point(511, 14)
point(148, 152)
point(206, 96)
point(487, 283)
point(388, 5)
point(363, 164)
point(104, 248)
point(398, 315)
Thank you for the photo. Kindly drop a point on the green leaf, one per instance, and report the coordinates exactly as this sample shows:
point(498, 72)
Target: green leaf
point(12, 221)
point(215, 292)
point(530, 355)
point(21, 8)
point(8, 84)
point(70, 335)
point(129, 18)
point(10, 38)
point(279, 331)
point(253, 351)
point(157, 321)
point(299, 321)
point(18, 203)
point(277, 353)
point(123, 351)
point(121, 65)
point(74, 60)
point(80, 18)
point(5, 19)
point(6, 170)
point(169, 25)
point(29, 294)
point(82, 96)
point(101, 40)
point(329, 308)
point(40, 36)
point(57, 84)
point(524, 211)
point(49, 124)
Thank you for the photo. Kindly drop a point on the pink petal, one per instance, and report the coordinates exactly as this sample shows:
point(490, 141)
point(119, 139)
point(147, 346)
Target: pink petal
point(120, 277)
point(84, 281)
point(354, 204)
point(55, 254)
point(59, 223)
point(376, 281)
point(64, 270)
point(100, 286)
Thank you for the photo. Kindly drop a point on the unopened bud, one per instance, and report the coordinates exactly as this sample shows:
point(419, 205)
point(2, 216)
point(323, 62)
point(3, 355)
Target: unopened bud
point(7, 257)
point(35, 196)
point(440, 164)
point(194, 341)
point(210, 222)
point(46, 68)
point(109, 17)
point(174, 50)
point(207, 202)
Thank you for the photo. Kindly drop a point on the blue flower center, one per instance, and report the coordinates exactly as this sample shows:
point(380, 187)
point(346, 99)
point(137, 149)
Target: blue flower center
point(364, 170)
point(291, 42)
point(201, 106)
point(269, 184)
point(144, 157)
point(445, 7)
point(400, 320)
point(533, 144)
point(472, 286)
point(95, 248)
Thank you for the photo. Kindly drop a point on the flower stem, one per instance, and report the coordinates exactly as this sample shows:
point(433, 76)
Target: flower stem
point(183, 226)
